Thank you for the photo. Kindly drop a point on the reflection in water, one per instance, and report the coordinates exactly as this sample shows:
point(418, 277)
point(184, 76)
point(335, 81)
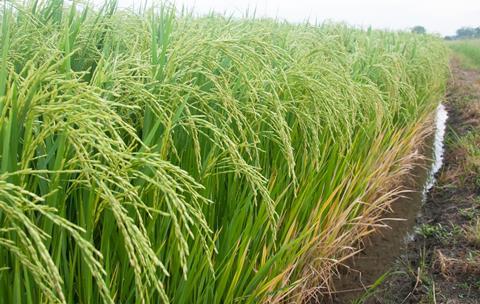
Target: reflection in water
point(437, 157)
point(440, 126)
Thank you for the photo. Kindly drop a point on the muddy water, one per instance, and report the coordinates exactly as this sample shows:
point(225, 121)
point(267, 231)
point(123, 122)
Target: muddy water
point(385, 246)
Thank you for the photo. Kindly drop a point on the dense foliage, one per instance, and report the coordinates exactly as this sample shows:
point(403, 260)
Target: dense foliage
point(151, 156)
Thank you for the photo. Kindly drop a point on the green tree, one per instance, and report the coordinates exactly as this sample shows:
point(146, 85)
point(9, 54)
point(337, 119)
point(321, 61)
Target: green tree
point(418, 29)
point(468, 32)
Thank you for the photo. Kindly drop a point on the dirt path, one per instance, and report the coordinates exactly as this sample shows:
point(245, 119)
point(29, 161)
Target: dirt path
point(442, 262)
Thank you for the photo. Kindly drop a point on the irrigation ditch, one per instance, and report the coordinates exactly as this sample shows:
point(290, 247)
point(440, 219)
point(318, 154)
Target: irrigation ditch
point(427, 254)
point(442, 261)
point(360, 272)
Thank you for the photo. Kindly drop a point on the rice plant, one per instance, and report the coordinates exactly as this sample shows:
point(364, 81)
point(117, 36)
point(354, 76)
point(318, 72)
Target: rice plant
point(150, 156)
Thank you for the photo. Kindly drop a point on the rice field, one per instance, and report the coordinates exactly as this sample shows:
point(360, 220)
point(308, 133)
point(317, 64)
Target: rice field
point(151, 156)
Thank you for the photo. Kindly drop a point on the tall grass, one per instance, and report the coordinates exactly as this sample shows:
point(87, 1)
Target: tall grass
point(150, 156)
point(468, 51)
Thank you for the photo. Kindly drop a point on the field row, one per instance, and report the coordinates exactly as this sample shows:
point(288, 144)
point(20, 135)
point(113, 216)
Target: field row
point(152, 156)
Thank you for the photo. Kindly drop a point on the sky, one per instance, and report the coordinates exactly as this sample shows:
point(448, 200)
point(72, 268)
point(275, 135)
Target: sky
point(437, 16)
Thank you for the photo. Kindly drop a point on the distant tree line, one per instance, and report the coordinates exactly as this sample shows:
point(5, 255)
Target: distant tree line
point(462, 33)
point(465, 33)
